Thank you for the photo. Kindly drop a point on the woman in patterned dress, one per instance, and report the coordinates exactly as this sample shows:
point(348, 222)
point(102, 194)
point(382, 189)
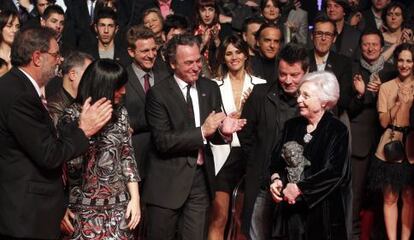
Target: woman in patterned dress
point(103, 182)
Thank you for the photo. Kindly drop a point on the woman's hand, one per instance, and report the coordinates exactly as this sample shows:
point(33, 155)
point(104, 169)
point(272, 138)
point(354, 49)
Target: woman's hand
point(276, 190)
point(291, 192)
point(66, 223)
point(406, 35)
point(133, 213)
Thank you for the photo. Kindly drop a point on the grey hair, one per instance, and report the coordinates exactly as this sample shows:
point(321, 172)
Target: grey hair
point(327, 85)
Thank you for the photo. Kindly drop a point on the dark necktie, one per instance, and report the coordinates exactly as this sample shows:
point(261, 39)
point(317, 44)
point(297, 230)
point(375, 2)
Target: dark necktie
point(147, 84)
point(190, 106)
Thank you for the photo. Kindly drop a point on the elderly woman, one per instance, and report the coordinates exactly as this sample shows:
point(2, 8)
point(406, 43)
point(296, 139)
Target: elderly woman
point(153, 20)
point(311, 180)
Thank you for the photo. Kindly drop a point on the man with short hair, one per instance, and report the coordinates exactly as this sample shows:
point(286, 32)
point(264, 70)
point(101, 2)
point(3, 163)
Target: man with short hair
point(32, 152)
point(372, 17)
point(184, 115)
point(266, 111)
point(143, 73)
point(175, 24)
point(346, 42)
point(106, 28)
point(322, 58)
point(250, 28)
point(269, 39)
point(72, 68)
point(369, 73)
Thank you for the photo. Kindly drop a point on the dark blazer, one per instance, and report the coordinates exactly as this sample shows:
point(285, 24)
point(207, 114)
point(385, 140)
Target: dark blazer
point(367, 21)
point(172, 161)
point(349, 43)
point(341, 67)
point(266, 110)
point(120, 53)
point(365, 128)
point(135, 104)
point(31, 156)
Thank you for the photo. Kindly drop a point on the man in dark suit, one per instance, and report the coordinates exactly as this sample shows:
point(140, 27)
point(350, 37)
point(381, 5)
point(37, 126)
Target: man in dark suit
point(32, 152)
point(269, 40)
point(369, 73)
point(142, 74)
point(323, 59)
point(106, 46)
point(184, 115)
point(371, 18)
point(346, 42)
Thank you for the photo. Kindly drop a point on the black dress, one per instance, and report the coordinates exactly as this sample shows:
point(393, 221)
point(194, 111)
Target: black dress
point(324, 209)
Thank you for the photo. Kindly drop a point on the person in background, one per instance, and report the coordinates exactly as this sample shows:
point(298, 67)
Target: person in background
point(236, 83)
point(271, 12)
point(153, 20)
point(208, 28)
point(9, 26)
point(250, 28)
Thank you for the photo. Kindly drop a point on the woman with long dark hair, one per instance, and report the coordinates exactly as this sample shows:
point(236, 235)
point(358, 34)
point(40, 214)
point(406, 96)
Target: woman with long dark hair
point(9, 26)
point(103, 182)
point(236, 83)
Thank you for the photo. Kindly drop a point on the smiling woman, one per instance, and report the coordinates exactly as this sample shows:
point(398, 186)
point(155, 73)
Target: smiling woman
point(9, 26)
point(318, 205)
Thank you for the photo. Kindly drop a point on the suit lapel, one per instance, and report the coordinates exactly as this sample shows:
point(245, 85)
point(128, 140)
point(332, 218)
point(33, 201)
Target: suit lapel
point(202, 99)
point(330, 62)
point(134, 81)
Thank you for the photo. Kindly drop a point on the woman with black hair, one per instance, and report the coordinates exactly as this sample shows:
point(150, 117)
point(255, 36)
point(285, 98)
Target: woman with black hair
point(236, 83)
point(9, 26)
point(103, 182)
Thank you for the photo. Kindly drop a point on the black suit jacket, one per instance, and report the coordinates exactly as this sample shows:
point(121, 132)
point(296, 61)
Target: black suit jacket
point(135, 104)
point(341, 67)
point(120, 53)
point(31, 156)
point(349, 43)
point(172, 164)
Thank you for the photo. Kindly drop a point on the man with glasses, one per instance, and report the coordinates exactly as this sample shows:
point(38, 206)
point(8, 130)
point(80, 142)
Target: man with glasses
point(33, 151)
point(322, 58)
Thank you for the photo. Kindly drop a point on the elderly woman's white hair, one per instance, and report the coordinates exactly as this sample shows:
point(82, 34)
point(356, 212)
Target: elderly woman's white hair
point(327, 85)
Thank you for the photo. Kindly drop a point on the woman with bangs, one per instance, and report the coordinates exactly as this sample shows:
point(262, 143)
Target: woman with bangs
point(104, 200)
point(9, 26)
point(208, 28)
point(236, 83)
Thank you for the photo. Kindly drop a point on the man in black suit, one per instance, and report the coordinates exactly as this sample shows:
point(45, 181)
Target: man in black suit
point(269, 39)
point(142, 75)
point(346, 42)
point(369, 73)
point(105, 46)
point(371, 18)
point(323, 59)
point(184, 115)
point(32, 152)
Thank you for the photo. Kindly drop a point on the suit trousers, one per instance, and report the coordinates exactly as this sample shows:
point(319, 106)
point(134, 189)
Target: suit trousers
point(189, 222)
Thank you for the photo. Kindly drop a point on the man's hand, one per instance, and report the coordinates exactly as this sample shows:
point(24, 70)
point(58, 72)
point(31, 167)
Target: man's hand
point(232, 124)
point(374, 84)
point(211, 123)
point(359, 85)
point(291, 192)
point(66, 223)
point(94, 117)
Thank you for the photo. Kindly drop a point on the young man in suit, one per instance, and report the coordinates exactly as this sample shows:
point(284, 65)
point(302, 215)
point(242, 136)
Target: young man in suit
point(143, 73)
point(32, 152)
point(184, 115)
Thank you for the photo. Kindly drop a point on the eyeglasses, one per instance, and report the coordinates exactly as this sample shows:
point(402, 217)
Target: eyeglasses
point(319, 34)
point(56, 55)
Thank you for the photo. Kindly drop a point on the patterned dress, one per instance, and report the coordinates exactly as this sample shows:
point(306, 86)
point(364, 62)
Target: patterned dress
point(97, 180)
